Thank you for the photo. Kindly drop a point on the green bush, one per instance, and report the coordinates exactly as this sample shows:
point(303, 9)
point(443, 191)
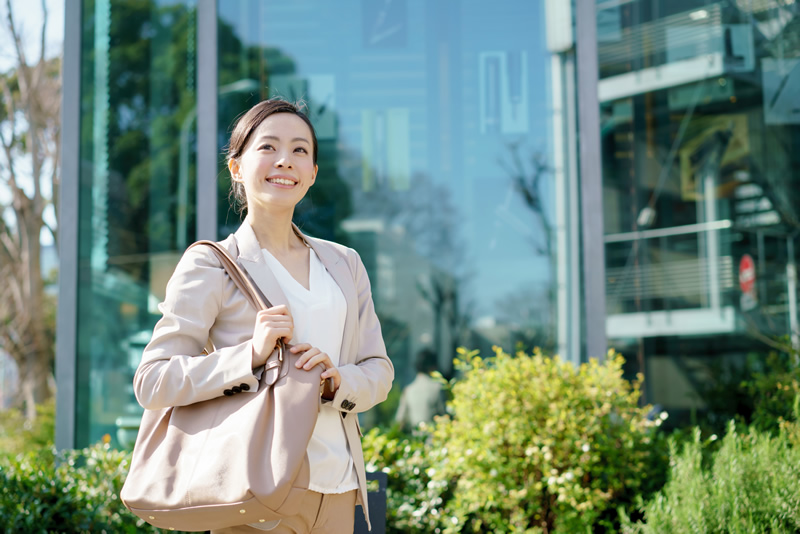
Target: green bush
point(17, 434)
point(759, 392)
point(774, 386)
point(74, 491)
point(535, 444)
point(414, 499)
point(750, 485)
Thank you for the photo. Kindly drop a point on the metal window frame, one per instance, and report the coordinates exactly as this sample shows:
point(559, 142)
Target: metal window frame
point(207, 120)
point(206, 201)
point(591, 178)
point(67, 321)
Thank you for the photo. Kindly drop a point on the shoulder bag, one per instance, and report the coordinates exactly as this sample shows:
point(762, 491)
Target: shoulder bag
point(231, 460)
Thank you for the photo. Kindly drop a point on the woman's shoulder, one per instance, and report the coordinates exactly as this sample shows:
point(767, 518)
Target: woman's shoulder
point(200, 256)
point(333, 247)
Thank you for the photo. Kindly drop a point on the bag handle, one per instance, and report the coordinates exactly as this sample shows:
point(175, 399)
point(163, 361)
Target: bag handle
point(253, 295)
point(239, 277)
point(242, 280)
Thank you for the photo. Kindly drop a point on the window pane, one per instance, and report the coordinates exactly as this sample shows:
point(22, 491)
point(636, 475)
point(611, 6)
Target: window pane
point(433, 124)
point(700, 135)
point(137, 181)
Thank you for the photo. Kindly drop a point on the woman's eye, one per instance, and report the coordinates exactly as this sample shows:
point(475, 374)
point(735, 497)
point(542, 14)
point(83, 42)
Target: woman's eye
point(264, 147)
point(301, 149)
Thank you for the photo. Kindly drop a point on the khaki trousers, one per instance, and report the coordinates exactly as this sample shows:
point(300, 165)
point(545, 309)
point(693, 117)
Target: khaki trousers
point(320, 514)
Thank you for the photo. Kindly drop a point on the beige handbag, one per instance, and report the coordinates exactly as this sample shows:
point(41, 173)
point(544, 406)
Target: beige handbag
point(232, 460)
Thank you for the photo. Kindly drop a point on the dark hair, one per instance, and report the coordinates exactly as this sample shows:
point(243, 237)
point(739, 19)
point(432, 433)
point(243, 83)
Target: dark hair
point(243, 130)
point(427, 361)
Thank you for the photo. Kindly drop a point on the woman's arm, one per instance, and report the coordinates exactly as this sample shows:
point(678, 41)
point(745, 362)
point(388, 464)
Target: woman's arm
point(368, 381)
point(174, 371)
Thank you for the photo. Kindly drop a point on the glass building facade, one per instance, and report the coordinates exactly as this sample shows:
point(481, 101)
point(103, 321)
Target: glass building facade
point(136, 208)
point(447, 153)
point(700, 125)
point(570, 175)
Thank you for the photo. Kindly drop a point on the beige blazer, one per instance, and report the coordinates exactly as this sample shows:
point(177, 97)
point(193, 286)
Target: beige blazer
point(202, 303)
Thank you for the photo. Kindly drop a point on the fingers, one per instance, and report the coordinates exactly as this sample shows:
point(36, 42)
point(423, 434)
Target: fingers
point(300, 347)
point(281, 309)
point(309, 354)
point(319, 359)
point(332, 372)
point(273, 318)
point(312, 356)
point(279, 322)
point(271, 325)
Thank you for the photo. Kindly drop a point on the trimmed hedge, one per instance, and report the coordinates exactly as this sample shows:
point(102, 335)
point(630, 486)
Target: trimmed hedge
point(74, 491)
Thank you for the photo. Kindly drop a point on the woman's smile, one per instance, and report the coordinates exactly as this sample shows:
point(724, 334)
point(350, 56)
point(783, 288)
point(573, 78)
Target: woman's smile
point(280, 155)
point(282, 180)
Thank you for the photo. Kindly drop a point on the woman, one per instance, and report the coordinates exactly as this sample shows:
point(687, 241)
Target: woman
point(322, 304)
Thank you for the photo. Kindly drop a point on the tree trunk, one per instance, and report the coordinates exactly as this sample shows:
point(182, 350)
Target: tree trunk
point(34, 375)
point(30, 100)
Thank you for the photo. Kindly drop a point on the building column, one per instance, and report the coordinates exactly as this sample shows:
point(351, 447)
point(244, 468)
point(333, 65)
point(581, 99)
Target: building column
point(591, 174)
point(67, 320)
point(207, 95)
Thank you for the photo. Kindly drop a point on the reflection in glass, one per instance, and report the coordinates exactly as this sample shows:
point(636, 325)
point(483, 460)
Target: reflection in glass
point(700, 177)
point(433, 127)
point(137, 179)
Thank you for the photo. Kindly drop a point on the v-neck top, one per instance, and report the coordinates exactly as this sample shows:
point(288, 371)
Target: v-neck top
point(319, 314)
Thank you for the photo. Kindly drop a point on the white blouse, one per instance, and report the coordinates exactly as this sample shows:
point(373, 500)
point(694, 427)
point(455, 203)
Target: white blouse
point(319, 314)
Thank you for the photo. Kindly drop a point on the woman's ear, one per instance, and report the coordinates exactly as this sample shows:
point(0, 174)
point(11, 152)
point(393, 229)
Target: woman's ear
point(234, 168)
point(314, 176)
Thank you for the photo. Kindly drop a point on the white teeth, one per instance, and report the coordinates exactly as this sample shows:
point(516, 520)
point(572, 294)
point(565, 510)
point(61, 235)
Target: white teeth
point(282, 181)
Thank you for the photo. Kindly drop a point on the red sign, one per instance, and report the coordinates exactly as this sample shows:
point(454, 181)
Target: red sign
point(747, 274)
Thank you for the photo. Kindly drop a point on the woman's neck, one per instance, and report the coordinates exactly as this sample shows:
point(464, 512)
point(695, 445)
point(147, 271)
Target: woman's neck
point(274, 232)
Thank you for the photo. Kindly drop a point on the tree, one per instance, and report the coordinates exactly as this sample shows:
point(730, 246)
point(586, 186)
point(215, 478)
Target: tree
point(30, 102)
point(529, 181)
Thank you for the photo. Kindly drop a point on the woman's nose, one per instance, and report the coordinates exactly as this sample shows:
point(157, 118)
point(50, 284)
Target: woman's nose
point(283, 162)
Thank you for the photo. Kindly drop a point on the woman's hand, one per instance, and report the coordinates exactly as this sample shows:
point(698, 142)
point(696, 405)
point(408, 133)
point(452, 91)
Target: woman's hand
point(272, 324)
point(311, 356)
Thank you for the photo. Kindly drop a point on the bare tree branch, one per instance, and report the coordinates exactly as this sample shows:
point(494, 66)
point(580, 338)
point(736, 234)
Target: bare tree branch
point(16, 38)
point(29, 129)
point(43, 33)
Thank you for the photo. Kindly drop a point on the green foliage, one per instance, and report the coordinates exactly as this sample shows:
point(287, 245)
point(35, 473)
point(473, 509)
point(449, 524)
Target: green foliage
point(758, 392)
point(18, 434)
point(751, 484)
point(533, 444)
point(774, 386)
point(538, 445)
point(71, 491)
point(413, 498)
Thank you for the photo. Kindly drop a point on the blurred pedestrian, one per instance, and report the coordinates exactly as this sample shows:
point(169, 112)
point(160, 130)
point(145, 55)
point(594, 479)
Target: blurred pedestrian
point(423, 398)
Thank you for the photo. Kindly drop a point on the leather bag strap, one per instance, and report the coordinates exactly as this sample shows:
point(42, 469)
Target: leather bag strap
point(253, 295)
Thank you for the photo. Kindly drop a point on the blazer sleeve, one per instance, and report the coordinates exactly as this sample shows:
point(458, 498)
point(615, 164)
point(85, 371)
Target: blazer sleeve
point(368, 381)
point(174, 371)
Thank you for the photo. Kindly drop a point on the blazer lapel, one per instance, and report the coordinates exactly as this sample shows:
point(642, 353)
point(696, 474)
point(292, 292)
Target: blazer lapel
point(341, 274)
point(252, 259)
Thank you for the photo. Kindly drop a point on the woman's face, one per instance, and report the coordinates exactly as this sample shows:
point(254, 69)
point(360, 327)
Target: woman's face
point(277, 166)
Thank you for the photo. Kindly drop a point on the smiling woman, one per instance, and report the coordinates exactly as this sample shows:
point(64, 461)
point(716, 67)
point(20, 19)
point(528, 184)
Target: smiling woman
point(256, 141)
point(322, 305)
point(418, 109)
